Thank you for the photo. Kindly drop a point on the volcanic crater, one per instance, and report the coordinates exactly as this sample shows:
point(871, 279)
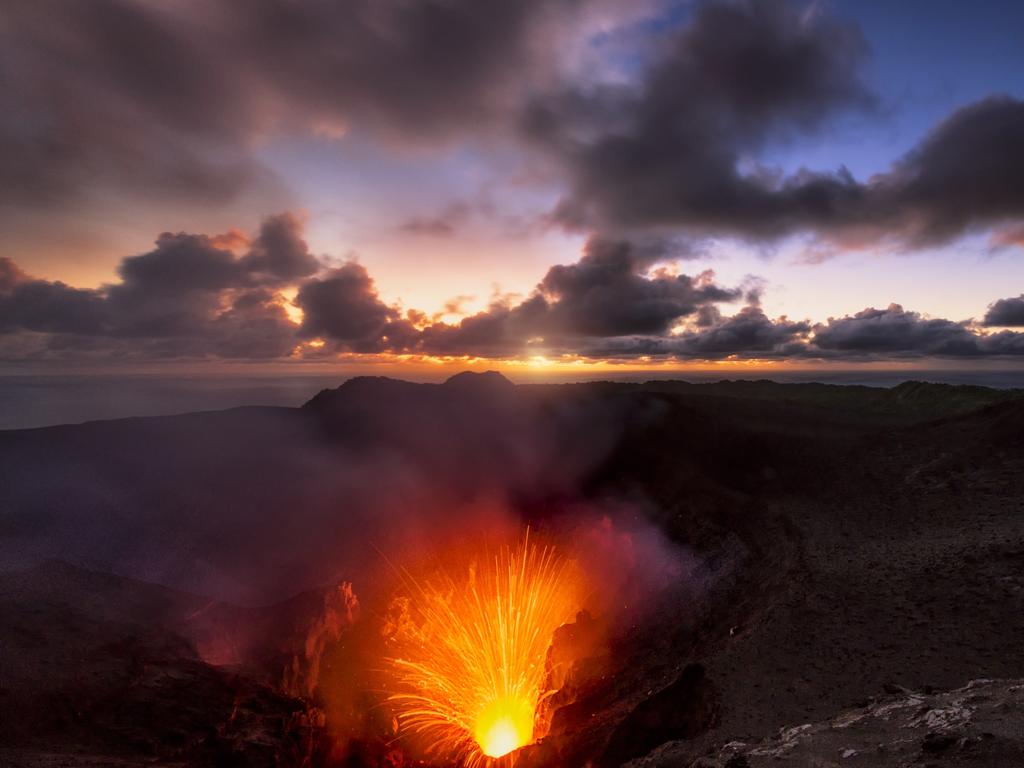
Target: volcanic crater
point(802, 574)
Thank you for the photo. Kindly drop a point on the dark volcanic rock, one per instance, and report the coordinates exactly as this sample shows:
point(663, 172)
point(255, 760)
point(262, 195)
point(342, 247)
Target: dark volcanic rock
point(938, 742)
point(101, 669)
point(981, 724)
point(684, 709)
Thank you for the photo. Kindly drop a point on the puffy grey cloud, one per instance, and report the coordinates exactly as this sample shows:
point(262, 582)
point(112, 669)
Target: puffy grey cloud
point(255, 325)
point(606, 293)
point(896, 332)
point(194, 296)
point(748, 332)
point(968, 172)
point(965, 175)
point(1006, 312)
point(51, 307)
point(173, 289)
point(1002, 343)
point(502, 330)
point(279, 254)
point(609, 292)
point(667, 151)
point(343, 307)
point(707, 316)
point(41, 306)
point(190, 296)
point(872, 334)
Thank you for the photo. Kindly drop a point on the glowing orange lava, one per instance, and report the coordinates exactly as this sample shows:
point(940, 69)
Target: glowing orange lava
point(471, 669)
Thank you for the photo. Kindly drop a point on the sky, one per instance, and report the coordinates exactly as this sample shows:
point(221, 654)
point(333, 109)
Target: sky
point(587, 184)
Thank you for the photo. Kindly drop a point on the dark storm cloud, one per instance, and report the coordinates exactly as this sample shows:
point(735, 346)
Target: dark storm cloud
point(175, 289)
point(679, 149)
point(1006, 312)
point(969, 171)
point(1002, 343)
point(502, 330)
point(748, 332)
point(192, 296)
point(255, 326)
point(607, 293)
point(45, 307)
point(279, 253)
point(182, 263)
point(965, 175)
point(707, 316)
point(343, 307)
point(896, 332)
point(188, 297)
point(666, 152)
point(872, 334)
point(165, 100)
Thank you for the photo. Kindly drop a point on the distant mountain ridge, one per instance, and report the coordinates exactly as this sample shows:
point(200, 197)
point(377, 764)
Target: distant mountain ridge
point(488, 383)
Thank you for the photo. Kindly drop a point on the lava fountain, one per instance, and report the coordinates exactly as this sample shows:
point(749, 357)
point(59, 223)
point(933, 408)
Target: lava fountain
point(472, 647)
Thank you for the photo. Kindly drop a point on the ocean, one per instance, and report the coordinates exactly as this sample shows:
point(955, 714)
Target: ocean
point(28, 401)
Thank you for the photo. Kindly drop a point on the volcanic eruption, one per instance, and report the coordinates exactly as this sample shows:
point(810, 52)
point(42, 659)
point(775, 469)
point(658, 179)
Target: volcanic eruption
point(471, 649)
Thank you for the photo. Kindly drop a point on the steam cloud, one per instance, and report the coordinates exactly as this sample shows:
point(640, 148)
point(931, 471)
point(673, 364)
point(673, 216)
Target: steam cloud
point(254, 504)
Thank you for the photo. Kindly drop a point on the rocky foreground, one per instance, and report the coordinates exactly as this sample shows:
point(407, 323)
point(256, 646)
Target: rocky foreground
point(981, 724)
